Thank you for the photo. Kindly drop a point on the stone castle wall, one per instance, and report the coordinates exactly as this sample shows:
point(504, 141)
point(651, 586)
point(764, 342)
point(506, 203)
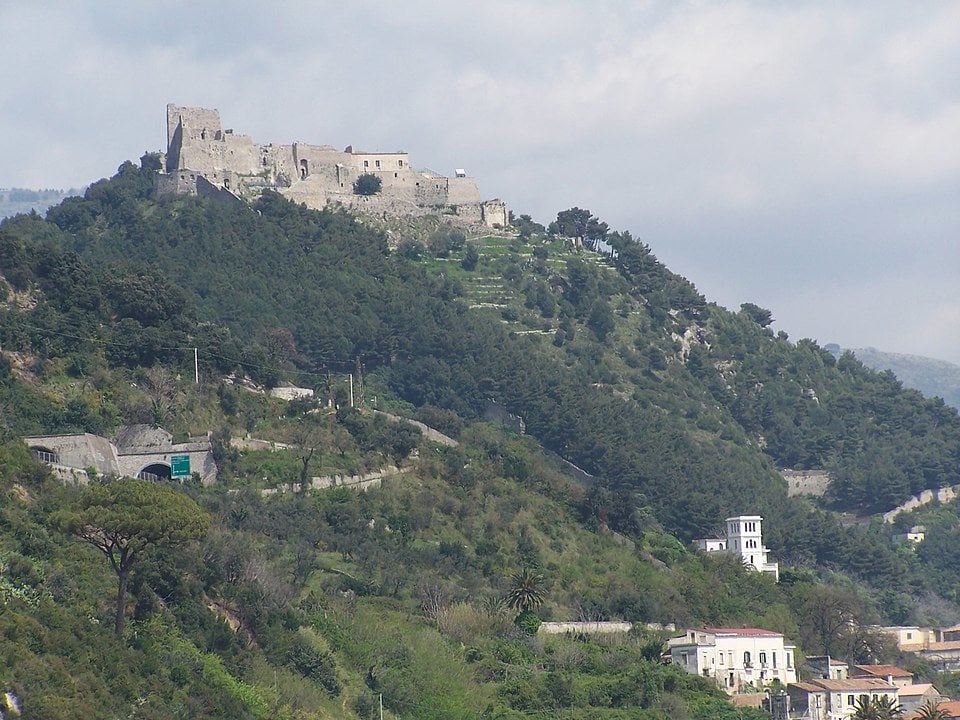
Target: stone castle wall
point(203, 158)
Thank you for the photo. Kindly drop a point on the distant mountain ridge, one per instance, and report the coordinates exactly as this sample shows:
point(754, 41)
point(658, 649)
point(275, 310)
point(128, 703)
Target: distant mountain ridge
point(930, 376)
point(16, 201)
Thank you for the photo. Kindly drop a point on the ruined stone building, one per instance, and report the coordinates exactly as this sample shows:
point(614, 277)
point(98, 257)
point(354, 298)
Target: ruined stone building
point(203, 158)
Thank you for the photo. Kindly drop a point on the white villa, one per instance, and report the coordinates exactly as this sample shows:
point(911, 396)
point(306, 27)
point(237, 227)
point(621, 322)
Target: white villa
point(738, 659)
point(744, 537)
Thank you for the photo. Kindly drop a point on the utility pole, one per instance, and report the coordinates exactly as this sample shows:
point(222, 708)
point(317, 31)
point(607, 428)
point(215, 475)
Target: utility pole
point(328, 386)
point(196, 366)
point(360, 398)
point(351, 390)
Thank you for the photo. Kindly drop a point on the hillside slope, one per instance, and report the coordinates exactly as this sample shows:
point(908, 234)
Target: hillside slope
point(680, 410)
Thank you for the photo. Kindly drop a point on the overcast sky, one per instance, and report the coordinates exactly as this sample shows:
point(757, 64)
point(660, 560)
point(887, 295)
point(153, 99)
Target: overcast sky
point(803, 156)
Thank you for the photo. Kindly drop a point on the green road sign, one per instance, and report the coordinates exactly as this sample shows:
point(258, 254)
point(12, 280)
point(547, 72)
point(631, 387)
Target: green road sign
point(180, 466)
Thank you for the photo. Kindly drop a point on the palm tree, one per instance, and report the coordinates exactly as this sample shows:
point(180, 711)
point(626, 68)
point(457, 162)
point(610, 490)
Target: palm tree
point(931, 711)
point(888, 708)
point(865, 709)
point(526, 590)
point(882, 708)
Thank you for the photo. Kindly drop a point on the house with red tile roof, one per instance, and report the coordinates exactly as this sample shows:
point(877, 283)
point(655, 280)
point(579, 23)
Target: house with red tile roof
point(913, 697)
point(826, 699)
point(891, 673)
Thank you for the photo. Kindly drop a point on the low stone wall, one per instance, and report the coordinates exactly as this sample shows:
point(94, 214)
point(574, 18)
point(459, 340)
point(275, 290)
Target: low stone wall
point(584, 628)
point(351, 482)
point(256, 444)
point(943, 495)
point(599, 627)
point(428, 432)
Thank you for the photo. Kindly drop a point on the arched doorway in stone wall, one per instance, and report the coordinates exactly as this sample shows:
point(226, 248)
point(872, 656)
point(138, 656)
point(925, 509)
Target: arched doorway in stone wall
point(155, 472)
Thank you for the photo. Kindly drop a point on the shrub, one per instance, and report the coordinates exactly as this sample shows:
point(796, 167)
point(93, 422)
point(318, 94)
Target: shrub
point(23, 571)
point(444, 242)
point(410, 249)
point(470, 258)
point(315, 664)
point(528, 621)
point(446, 421)
point(468, 624)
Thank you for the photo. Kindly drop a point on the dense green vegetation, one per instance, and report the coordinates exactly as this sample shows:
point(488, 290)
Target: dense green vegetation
point(313, 604)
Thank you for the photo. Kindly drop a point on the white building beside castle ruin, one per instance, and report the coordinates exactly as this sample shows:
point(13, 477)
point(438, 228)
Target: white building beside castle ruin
point(204, 158)
point(743, 536)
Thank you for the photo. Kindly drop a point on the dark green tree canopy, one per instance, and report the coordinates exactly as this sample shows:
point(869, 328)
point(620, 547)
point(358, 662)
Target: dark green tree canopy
point(128, 516)
point(123, 519)
point(581, 225)
point(367, 184)
point(761, 316)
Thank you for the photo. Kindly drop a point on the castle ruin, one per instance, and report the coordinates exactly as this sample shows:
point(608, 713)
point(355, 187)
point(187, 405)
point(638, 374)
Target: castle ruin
point(204, 159)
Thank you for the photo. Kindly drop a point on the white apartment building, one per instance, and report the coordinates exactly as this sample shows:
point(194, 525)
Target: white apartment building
point(738, 659)
point(744, 537)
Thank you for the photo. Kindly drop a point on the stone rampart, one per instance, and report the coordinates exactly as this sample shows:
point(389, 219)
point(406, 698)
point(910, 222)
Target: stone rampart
point(599, 627)
point(222, 193)
point(462, 191)
point(431, 191)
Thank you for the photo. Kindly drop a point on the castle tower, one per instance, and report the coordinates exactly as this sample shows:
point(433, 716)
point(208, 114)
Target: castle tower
point(188, 128)
point(745, 537)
